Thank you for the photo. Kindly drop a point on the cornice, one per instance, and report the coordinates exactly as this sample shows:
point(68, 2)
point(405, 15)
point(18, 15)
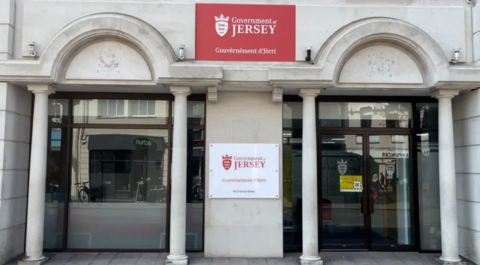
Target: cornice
point(188, 81)
point(456, 85)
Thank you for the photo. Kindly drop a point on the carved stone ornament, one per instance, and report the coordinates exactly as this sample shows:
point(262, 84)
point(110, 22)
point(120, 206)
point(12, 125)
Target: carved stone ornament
point(380, 64)
point(108, 61)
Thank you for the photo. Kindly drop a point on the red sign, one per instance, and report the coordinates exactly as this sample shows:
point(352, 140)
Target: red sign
point(236, 32)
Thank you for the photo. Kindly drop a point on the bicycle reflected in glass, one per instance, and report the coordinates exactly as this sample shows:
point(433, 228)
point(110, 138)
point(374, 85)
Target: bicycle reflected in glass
point(87, 195)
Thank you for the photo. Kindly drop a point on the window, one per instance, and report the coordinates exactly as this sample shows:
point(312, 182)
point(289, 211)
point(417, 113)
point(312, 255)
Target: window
point(116, 153)
point(142, 108)
point(292, 175)
point(426, 135)
point(365, 115)
point(111, 108)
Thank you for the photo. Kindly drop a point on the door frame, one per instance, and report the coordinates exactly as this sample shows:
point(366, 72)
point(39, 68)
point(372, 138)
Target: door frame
point(366, 133)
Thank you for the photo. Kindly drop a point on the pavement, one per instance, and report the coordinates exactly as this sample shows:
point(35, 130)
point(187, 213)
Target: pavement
point(154, 258)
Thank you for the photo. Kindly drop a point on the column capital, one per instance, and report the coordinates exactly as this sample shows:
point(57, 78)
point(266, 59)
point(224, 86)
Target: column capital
point(445, 93)
point(180, 90)
point(41, 88)
point(309, 92)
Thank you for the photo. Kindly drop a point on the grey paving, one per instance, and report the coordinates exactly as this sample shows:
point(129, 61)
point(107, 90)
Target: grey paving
point(153, 258)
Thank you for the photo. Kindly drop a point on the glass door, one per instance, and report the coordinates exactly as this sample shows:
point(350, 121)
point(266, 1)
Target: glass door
point(365, 200)
point(390, 192)
point(342, 193)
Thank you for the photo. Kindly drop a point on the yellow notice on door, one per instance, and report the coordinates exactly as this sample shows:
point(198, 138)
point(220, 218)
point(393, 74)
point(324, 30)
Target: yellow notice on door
point(350, 183)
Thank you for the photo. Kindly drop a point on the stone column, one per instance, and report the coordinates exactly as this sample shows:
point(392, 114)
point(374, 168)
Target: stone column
point(178, 202)
point(309, 180)
point(37, 177)
point(448, 191)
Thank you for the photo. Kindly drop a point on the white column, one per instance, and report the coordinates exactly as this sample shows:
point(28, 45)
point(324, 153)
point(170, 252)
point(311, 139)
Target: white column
point(37, 177)
point(448, 191)
point(178, 202)
point(309, 180)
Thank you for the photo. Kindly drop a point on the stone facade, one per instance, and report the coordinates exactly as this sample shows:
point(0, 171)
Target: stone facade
point(370, 47)
point(15, 119)
point(466, 116)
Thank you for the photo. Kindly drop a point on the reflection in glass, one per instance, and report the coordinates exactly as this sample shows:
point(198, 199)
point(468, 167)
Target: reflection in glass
point(342, 164)
point(55, 194)
point(391, 191)
point(195, 112)
point(120, 111)
point(118, 189)
point(195, 188)
point(292, 114)
point(428, 190)
point(57, 111)
point(365, 115)
point(292, 189)
point(427, 115)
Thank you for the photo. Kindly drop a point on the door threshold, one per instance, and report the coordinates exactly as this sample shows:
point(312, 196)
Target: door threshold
point(344, 250)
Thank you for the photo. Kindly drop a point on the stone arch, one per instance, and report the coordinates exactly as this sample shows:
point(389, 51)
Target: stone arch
point(333, 55)
point(150, 43)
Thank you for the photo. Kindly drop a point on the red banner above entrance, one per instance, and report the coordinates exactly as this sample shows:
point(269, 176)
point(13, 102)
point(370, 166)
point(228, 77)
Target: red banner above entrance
point(236, 32)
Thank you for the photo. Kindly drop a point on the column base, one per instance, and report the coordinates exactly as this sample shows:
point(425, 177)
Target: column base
point(38, 261)
point(450, 262)
point(310, 260)
point(177, 259)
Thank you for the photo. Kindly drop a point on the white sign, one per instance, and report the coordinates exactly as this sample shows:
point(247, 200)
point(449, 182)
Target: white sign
point(244, 171)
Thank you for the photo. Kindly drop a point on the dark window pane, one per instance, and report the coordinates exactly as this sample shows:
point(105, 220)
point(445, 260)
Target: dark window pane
point(120, 202)
point(195, 188)
point(427, 115)
point(292, 189)
point(55, 193)
point(428, 190)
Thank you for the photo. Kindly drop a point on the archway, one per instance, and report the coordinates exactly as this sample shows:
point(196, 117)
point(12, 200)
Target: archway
point(405, 37)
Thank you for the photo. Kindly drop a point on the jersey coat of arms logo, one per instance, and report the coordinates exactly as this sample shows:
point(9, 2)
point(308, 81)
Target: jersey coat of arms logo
point(227, 162)
point(342, 167)
point(221, 25)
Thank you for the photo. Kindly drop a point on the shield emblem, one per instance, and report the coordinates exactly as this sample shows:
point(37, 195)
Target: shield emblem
point(227, 162)
point(342, 167)
point(390, 169)
point(221, 27)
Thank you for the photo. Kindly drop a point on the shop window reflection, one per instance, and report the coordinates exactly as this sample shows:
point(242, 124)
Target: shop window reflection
point(57, 111)
point(195, 112)
point(111, 108)
point(120, 111)
point(118, 189)
point(365, 115)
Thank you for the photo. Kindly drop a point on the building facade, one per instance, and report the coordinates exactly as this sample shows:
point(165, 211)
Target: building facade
point(111, 110)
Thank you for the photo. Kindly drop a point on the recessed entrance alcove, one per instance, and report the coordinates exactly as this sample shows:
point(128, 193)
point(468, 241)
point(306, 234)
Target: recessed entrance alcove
point(108, 60)
point(381, 64)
